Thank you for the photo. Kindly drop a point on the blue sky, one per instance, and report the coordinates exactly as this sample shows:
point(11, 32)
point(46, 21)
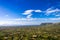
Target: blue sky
point(29, 12)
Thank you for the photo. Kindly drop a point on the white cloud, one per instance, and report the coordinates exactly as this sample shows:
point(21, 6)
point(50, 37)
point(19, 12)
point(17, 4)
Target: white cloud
point(29, 16)
point(57, 15)
point(35, 19)
point(47, 12)
point(54, 19)
point(51, 10)
point(19, 21)
point(28, 12)
point(38, 11)
point(26, 21)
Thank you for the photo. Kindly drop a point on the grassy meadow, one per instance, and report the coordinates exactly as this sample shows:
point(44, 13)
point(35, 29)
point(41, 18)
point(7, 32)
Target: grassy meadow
point(41, 32)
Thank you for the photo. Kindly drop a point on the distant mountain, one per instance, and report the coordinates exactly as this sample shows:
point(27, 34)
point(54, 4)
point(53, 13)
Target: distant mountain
point(45, 24)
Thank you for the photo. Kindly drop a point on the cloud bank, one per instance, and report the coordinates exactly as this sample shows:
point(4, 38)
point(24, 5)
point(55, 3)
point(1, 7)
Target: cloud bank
point(31, 21)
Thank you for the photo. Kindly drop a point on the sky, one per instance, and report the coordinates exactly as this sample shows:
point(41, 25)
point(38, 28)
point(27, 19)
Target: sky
point(29, 12)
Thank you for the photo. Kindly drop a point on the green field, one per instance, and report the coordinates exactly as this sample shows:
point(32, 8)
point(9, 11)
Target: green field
point(43, 32)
